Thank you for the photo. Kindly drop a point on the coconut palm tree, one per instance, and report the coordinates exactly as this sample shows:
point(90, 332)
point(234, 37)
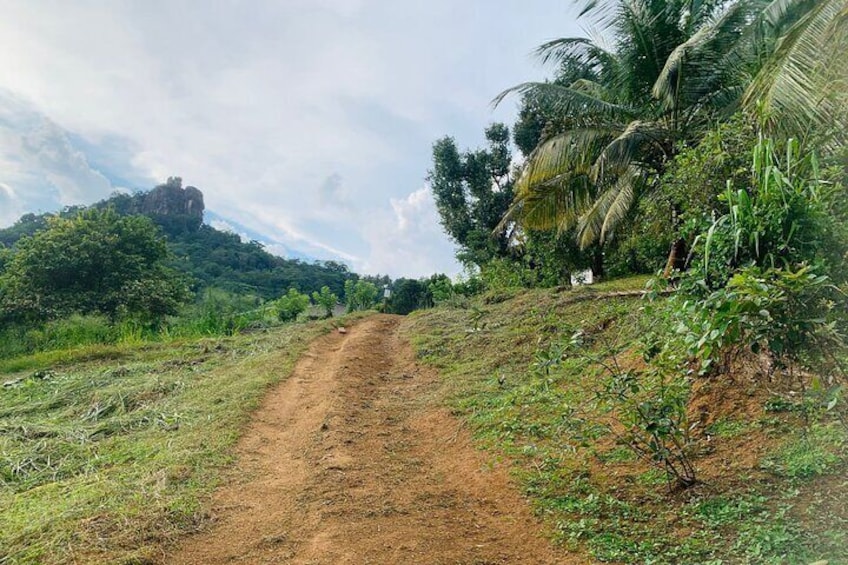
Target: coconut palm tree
point(803, 86)
point(672, 69)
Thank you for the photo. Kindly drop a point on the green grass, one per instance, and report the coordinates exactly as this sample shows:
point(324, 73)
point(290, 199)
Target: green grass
point(811, 454)
point(108, 453)
point(593, 495)
point(726, 428)
point(635, 282)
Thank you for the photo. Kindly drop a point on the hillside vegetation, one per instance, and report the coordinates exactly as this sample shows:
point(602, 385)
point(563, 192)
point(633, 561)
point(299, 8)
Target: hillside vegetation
point(771, 483)
point(210, 258)
point(701, 420)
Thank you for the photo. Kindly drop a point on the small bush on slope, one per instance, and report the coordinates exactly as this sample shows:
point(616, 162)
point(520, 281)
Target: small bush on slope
point(595, 497)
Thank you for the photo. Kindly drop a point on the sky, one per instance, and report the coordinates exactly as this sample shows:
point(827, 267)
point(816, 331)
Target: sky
point(310, 122)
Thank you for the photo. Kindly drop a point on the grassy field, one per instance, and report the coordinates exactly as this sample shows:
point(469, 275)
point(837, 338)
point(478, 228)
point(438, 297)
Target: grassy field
point(108, 453)
point(770, 490)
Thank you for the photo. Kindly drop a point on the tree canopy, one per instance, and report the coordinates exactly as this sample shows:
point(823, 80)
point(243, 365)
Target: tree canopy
point(617, 114)
point(472, 191)
point(95, 262)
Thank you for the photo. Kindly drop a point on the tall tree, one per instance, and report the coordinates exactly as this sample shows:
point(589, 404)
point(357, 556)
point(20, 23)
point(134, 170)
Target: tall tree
point(96, 262)
point(673, 67)
point(473, 191)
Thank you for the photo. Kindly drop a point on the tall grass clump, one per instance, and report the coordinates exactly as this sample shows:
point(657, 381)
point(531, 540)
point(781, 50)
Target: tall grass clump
point(220, 313)
point(216, 313)
point(74, 331)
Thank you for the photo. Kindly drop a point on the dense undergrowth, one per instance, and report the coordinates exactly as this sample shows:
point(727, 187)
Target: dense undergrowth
point(108, 451)
point(771, 474)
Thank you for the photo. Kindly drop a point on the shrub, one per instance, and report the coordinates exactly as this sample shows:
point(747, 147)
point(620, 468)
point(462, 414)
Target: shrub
point(440, 288)
point(218, 312)
point(506, 274)
point(766, 273)
point(471, 286)
point(291, 305)
point(326, 300)
point(409, 295)
point(648, 404)
point(360, 295)
point(74, 331)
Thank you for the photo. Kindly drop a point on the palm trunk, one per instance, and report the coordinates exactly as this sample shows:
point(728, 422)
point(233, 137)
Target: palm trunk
point(676, 258)
point(597, 263)
point(677, 254)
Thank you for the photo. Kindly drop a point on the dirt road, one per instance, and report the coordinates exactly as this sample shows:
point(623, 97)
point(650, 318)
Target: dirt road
point(352, 461)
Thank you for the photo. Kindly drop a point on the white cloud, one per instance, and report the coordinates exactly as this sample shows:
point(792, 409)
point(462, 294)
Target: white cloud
point(40, 169)
point(48, 150)
point(309, 119)
point(223, 225)
point(7, 191)
point(408, 241)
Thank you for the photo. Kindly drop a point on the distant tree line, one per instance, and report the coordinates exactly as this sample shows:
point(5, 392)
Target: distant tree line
point(209, 258)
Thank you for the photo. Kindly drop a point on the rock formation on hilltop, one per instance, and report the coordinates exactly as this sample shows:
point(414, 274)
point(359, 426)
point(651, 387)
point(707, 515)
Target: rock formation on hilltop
point(173, 207)
point(171, 199)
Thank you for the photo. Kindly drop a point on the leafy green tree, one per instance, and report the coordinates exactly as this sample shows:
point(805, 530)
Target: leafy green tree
point(360, 295)
point(409, 295)
point(5, 257)
point(336, 267)
point(95, 262)
point(27, 224)
point(378, 280)
point(803, 86)
point(690, 188)
point(440, 288)
point(291, 305)
point(673, 69)
point(473, 191)
point(326, 300)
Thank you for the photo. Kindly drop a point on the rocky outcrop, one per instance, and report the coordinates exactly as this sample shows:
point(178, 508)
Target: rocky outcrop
point(171, 199)
point(174, 208)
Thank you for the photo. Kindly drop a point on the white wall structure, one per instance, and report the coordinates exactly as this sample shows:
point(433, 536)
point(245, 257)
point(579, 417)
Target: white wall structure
point(582, 277)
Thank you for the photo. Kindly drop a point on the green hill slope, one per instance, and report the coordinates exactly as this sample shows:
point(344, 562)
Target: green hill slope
point(771, 484)
point(213, 258)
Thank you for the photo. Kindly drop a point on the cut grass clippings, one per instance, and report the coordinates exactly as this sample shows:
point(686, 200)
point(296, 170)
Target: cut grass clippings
point(109, 453)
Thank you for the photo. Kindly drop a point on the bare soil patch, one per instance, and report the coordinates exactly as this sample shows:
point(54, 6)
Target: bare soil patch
point(354, 460)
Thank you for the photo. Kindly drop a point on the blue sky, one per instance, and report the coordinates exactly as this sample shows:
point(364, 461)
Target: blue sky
point(310, 121)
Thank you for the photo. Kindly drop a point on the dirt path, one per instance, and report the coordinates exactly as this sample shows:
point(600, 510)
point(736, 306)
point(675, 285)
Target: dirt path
point(351, 461)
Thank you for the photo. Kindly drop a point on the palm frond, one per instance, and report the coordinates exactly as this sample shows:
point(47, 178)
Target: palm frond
point(805, 81)
point(629, 147)
point(556, 184)
point(590, 87)
point(571, 153)
point(610, 207)
point(580, 49)
point(714, 37)
point(555, 205)
point(778, 12)
point(565, 99)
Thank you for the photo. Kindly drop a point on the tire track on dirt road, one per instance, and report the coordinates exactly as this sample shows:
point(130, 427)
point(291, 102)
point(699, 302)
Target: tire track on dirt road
point(352, 460)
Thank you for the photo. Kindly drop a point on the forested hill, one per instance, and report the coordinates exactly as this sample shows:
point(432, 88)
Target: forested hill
point(213, 258)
